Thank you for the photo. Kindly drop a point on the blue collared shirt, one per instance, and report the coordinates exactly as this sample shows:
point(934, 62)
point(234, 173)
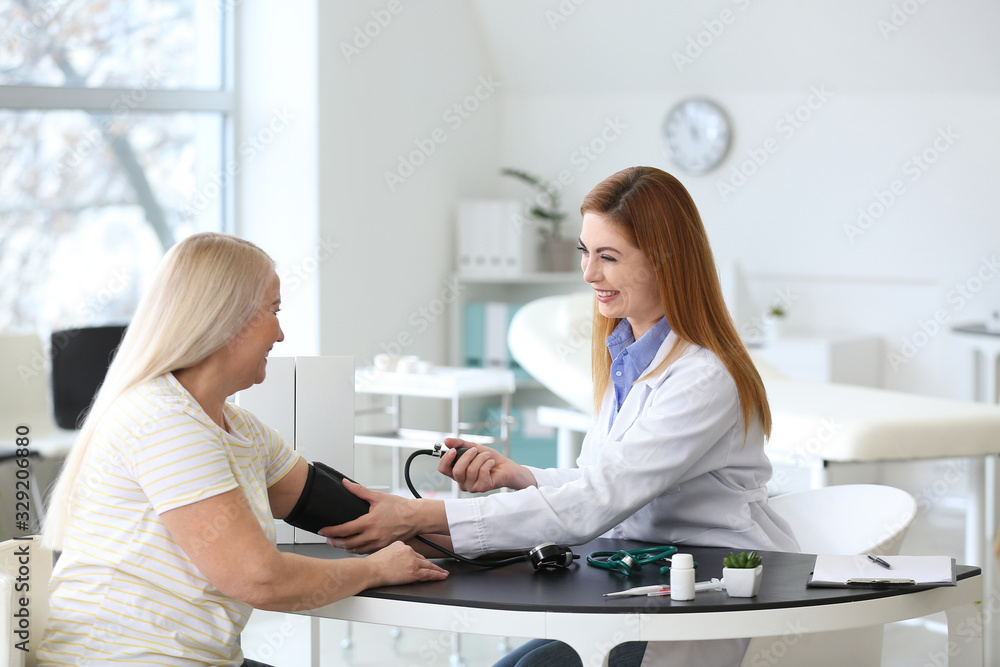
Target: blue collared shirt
point(631, 356)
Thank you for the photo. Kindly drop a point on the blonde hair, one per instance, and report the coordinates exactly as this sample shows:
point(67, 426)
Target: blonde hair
point(654, 211)
point(207, 289)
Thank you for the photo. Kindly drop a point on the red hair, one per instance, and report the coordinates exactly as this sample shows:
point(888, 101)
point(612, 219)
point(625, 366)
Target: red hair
point(654, 211)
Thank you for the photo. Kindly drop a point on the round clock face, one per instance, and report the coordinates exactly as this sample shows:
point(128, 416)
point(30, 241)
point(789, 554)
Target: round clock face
point(696, 135)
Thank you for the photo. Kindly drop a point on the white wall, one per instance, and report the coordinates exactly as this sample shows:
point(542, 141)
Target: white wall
point(868, 98)
point(392, 96)
point(276, 158)
point(792, 223)
point(895, 76)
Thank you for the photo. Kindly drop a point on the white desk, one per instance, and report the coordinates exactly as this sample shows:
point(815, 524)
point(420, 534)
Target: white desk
point(515, 601)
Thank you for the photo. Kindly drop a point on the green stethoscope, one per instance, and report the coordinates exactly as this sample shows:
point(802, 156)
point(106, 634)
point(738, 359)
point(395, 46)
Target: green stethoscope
point(631, 561)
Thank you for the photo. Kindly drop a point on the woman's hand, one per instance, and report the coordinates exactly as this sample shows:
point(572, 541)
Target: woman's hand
point(390, 519)
point(484, 469)
point(400, 564)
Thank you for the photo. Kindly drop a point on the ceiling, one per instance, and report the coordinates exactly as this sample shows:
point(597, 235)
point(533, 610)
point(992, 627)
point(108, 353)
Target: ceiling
point(560, 46)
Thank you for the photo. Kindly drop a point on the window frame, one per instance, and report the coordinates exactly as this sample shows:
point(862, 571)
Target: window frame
point(223, 101)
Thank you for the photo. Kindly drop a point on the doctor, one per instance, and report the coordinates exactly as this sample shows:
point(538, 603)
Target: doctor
point(675, 454)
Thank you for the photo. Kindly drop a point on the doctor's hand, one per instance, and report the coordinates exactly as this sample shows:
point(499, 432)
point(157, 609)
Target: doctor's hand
point(482, 469)
point(389, 519)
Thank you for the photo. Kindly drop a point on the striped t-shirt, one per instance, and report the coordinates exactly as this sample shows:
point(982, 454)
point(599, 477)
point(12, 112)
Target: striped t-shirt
point(123, 591)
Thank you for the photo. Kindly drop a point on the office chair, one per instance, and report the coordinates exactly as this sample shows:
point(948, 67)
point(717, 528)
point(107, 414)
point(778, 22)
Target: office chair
point(80, 360)
point(844, 519)
point(848, 518)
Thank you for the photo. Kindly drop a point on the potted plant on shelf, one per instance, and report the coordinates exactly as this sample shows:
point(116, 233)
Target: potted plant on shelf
point(741, 573)
point(774, 322)
point(557, 253)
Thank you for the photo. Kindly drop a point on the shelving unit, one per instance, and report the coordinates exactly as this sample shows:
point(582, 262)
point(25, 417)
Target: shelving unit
point(507, 289)
point(455, 385)
point(514, 290)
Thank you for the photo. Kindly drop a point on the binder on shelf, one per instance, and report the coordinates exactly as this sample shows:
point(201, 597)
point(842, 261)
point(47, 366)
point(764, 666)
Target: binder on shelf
point(840, 571)
point(520, 249)
point(494, 238)
point(484, 336)
point(473, 334)
point(495, 321)
point(471, 247)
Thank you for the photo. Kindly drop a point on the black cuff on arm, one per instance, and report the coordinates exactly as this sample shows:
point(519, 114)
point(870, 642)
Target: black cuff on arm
point(324, 501)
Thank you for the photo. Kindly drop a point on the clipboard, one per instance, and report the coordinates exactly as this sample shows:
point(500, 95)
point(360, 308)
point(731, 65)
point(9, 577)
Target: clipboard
point(840, 571)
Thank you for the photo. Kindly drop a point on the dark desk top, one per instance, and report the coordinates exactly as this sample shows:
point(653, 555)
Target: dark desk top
point(580, 589)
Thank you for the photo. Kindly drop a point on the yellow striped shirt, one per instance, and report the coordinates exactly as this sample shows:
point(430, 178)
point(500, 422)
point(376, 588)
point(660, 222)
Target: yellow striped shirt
point(122, 590)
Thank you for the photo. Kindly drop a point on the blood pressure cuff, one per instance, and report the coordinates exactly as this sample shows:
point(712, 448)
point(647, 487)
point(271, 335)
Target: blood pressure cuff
point(325, 501)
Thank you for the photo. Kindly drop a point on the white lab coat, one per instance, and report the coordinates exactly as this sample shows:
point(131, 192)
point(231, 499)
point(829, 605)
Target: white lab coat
point(673, 469)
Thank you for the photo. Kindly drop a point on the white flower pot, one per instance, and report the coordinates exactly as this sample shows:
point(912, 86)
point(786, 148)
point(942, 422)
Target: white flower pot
point(742, 582)
point(774, 328)
point(559, 255)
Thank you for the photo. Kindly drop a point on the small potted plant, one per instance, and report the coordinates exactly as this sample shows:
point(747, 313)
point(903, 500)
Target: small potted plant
point(741, 574)
point(774, 322)
point(557, 253)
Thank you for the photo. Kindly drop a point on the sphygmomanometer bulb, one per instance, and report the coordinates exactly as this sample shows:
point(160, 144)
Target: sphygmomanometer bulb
point(440, 450)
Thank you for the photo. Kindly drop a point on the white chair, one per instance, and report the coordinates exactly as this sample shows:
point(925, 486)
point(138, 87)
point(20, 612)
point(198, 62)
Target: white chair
point(23, 562)
point(847, 519)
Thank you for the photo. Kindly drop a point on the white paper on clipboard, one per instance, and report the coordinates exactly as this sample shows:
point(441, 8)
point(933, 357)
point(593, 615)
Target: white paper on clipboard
point(835, 569)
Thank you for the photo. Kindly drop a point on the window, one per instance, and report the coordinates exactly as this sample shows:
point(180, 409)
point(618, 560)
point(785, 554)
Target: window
point(114, 118)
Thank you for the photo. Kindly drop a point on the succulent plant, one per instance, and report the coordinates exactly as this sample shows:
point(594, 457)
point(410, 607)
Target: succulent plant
point(743, 560)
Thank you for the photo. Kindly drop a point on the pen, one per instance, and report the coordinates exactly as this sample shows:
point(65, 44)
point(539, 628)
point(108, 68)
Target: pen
point(878, 561)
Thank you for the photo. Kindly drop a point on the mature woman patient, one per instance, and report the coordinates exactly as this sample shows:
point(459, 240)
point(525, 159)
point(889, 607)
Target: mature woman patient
point(165, 509)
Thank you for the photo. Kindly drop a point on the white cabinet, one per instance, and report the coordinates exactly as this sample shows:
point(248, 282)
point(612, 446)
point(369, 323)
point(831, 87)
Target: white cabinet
point(845, 358)
point(310, 402)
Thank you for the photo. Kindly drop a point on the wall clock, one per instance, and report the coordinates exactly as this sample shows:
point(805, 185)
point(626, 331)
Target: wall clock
point(696, 135)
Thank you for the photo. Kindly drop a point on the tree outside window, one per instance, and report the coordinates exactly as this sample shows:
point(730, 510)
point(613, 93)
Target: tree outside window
point(113, 117)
